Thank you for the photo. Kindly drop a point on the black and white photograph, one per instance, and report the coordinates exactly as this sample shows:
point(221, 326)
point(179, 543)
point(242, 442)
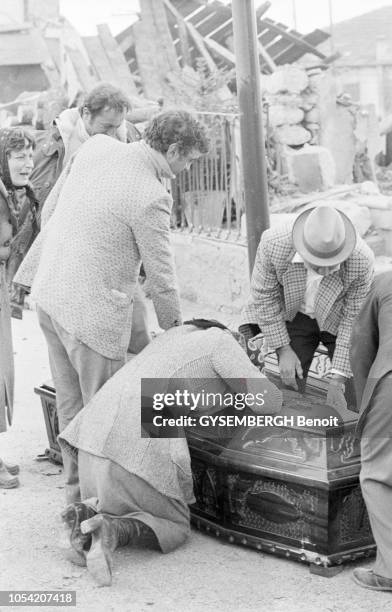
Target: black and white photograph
point(196, 305)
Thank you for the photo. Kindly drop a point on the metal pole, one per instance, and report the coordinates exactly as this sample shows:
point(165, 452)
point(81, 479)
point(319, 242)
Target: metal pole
point(251, 123)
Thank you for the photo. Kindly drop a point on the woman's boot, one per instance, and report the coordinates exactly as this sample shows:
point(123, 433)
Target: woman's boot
point(7, 480)
point(72, 516)
point(107, 534)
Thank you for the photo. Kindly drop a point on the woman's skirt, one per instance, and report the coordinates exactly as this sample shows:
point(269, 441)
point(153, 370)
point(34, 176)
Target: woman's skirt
point(6, 355)
point(110, 489)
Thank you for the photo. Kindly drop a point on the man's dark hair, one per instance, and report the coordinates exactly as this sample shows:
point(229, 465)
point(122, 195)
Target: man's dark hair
point(104, 96)
point(205, 323)
point(176, 126)
point(17, 140)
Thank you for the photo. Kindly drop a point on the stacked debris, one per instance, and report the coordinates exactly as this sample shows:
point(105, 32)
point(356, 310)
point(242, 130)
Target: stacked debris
point(292, 106)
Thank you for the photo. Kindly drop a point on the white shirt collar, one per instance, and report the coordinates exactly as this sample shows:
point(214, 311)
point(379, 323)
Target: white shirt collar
point(299, 259)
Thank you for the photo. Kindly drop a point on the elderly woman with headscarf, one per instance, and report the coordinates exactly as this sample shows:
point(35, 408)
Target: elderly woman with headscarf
point(16, 165)
point(136, 489)
point(18, 227)
point(8, 478)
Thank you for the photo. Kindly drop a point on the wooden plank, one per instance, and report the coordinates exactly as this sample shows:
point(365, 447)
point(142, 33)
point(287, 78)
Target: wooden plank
point(217, 32)
point(117, 60)
point(220, 50)
point(211, 19)
point(186, 7)
point(294, 52)
point(145, 48)
point(98, 58)
point(262, 9)
point(291, 37)
point(316, 37)
point(128, 32)
point(266, 57)
point(79, 63)
point(267, 36)
point(183, 46)
point(126, 42)
point(277, 47)
point(223, 33)
point(197, 38)
point(167, 58)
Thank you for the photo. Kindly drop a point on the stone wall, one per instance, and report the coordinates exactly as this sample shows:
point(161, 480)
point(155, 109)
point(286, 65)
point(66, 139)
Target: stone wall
point(212, 273)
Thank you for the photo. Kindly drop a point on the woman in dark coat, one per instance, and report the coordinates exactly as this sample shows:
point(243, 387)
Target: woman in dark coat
point(18, 228)
point(8, 479)
point(16, 165)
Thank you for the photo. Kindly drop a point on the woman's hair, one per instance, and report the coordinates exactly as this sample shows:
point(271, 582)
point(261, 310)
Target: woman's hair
point(205, 323)
point(176, 126)
point(16, 140)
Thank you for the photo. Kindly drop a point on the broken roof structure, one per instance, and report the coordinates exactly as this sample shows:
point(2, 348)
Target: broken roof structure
point(185, 30)
point(157, 56)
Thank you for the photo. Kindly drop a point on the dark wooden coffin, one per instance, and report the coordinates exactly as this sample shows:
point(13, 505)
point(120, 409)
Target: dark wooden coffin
point(285, 490)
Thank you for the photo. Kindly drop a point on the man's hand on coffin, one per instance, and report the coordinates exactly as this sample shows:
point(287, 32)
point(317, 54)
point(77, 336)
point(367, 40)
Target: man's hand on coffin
point(289, 366)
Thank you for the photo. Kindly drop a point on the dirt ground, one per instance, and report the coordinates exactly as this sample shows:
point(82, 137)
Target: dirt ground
point(206, 574)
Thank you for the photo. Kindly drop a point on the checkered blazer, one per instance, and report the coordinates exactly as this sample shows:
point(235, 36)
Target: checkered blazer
point(278, 287)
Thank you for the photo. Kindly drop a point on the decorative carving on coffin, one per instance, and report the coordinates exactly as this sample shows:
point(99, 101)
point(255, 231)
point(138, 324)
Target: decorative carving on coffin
point(321, 365)
point(285, 444)
point(345, 446)
point(53, 421)
point(354, 522)
point(205, 488)
point(272, 507)
point(198, 470)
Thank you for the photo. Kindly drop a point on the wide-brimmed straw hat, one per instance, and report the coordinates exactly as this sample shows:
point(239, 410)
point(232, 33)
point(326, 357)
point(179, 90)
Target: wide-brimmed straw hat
point(324, 236)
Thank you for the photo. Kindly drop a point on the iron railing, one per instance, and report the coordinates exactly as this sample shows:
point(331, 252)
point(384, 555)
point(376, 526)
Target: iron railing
point(208, 198)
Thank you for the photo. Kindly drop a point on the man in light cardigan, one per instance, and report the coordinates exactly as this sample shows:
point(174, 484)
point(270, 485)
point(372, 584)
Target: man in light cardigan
point(111, 213)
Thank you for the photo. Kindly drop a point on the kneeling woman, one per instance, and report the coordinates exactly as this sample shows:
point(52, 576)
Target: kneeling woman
point(137, 489)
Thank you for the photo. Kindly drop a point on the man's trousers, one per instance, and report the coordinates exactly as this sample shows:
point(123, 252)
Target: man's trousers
point(78, 373)
point(376, 471)
point(305, 336)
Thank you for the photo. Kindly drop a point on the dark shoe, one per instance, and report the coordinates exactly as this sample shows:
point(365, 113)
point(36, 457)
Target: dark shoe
point(367, 579)
point(107, 534)
point(12, 469)
point(72, 516)
point(7, 481)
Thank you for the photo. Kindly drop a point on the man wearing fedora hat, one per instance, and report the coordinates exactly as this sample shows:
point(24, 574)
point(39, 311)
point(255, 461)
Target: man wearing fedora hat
point(307, 286)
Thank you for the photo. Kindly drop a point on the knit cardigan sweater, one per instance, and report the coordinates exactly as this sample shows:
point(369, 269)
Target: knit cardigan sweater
point(110, 425)
point(111, 212)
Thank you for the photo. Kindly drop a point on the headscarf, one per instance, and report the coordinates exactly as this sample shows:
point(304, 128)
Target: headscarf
point(5, 136)
point(16, 195)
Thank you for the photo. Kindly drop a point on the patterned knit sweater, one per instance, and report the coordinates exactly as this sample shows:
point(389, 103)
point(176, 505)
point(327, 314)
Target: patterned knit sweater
point(110, 425)
point(111, 212)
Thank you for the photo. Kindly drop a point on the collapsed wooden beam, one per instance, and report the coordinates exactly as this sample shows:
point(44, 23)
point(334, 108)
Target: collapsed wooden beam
point(197, 38)
point(98, 58)
point(266, 57)
point(117, 60)
point(274, 27)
